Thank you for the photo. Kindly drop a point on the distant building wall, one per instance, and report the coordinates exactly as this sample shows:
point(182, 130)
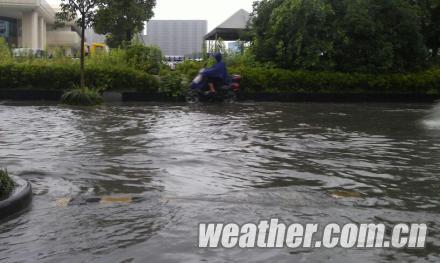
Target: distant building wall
point(93, 37)
point(177, 37)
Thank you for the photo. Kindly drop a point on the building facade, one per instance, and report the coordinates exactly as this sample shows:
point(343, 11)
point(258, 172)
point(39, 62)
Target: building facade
point(177, 38)
point(30, 24)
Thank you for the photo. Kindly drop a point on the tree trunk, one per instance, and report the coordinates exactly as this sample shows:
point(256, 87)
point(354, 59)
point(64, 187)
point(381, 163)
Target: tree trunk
point(129, 36)
point(435, 52)
point(83, 29)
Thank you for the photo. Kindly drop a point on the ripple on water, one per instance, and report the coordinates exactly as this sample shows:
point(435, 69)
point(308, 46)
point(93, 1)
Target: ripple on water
point(235, 163)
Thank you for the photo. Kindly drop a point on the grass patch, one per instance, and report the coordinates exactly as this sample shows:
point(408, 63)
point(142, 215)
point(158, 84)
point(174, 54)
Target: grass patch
point(82, 97)
point(6, 184)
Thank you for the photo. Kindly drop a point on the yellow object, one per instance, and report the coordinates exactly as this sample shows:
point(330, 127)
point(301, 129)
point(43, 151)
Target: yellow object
point(345, 194)
point(95, 48)
point(116, 200)
point(63, 202)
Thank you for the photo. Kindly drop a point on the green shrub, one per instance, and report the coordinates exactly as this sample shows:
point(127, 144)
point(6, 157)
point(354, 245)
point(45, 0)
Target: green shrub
point(115, 56)
point(82, 97)
point(147, 59)
point(6, 184)
point(173, 84)
point(271, 80)
point(110, 72)
point(120, 78)
point(246, 59)
point(54, 76)
point(5, 52)
point(264, 78)
point(139, 57)
point(191, 68)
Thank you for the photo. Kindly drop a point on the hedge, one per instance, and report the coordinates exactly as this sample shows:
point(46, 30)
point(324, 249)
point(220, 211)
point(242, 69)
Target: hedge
point(65, 76)
point(267, 80)
point(255, 79)
point(260, 79)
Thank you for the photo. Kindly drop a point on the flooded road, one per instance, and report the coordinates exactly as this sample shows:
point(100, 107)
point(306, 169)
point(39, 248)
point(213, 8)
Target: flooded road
point(212, 163)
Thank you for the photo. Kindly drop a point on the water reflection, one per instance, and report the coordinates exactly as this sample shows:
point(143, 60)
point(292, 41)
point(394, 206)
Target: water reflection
point(235, 163)
point(432, 121)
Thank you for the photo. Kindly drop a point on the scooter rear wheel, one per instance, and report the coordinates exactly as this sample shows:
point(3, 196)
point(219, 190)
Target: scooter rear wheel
point(231, 97)
point(192, 97)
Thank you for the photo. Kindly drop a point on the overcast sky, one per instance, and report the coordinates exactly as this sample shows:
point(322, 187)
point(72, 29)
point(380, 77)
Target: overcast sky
point(215, 11)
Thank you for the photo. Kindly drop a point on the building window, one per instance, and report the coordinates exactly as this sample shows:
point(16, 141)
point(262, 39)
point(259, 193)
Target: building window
point(9, 31)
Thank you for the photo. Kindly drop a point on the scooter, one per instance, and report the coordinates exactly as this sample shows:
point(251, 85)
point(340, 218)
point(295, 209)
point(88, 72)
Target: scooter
point(199, 90)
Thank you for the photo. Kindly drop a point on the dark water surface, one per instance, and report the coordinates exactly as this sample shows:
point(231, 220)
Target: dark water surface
point(235, 163)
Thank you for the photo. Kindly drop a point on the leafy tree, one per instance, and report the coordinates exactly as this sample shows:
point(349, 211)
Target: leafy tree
point(378, 36)
point(294, 33)
point(83, 11)
point(260, 28)
point(344, 35)
point(430, 20)
point(121, 19)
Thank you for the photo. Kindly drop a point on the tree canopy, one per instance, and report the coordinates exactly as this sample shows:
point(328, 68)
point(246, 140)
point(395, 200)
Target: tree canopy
point(346, 35)
point(430, 14)
point(121, 19)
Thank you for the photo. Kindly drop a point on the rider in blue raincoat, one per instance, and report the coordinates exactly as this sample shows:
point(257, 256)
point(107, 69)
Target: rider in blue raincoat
point(217, 75)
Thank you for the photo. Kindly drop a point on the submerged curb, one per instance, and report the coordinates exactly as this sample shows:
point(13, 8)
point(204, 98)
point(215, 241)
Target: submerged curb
point(19, 199)
point(137, 96)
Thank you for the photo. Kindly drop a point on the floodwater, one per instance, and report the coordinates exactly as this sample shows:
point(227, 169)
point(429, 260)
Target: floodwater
point(216, 163)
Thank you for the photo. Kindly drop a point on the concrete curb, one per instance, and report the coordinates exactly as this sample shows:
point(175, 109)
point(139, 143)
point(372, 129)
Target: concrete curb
point(340, 98)
point(30, 95)
point(18, 201)
point(134, 96)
